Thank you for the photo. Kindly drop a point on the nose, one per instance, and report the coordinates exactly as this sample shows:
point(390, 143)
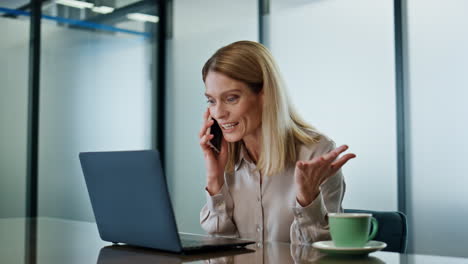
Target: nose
point(218, 112)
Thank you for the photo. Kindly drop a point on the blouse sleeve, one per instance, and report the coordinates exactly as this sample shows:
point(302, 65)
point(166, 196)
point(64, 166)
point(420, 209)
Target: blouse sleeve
point(310, 223)
point(216, 215)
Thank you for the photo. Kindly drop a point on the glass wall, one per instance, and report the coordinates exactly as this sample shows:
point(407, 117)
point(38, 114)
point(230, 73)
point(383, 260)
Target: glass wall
point(14, 74)
point(337, 58)
point(98, 81)
point(199, 29)
point(437, 118)
point(97, 89)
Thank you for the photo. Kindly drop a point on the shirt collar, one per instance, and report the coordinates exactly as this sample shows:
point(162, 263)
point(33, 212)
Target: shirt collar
point(243, 155)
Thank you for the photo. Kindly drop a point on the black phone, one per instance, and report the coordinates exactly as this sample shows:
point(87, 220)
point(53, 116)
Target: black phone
point(218, 136)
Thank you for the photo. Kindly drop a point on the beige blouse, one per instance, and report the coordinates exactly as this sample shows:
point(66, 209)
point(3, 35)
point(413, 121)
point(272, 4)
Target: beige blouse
point(269, 211)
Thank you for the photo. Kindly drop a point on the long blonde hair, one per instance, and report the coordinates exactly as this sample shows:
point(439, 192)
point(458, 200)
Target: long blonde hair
point(282, 128)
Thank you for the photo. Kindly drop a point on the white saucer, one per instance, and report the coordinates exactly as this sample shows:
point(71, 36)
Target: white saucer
point(329, 248)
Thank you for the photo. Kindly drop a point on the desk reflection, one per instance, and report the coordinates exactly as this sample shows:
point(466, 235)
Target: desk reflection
point(120, 254)
point(58, 241)
point(266, 253)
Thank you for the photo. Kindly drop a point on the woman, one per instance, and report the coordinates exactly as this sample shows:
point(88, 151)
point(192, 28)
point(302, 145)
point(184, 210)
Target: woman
point(275, 177)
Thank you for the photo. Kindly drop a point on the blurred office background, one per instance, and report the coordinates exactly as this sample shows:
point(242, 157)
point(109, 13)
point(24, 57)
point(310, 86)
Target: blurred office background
point(385, 77)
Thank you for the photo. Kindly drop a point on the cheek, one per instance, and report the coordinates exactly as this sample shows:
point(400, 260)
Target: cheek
point(250, 115)
point(254, 117)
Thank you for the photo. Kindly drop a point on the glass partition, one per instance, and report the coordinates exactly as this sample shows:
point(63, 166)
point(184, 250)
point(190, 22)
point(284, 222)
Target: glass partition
point(337, 58)
point(437, 115)
point(199, 29)
point(14, 74)
point(97, 92)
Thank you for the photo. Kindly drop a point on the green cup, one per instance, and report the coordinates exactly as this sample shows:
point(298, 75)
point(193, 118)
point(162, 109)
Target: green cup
point(352, 229)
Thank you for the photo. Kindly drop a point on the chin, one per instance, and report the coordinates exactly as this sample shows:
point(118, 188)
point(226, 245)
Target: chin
point(232, 138)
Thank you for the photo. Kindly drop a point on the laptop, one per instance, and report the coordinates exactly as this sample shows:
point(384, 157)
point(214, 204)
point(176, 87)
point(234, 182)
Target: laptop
point(131, 203)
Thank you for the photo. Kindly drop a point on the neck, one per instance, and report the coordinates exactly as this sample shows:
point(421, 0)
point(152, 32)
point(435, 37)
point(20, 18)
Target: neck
point(253, 144)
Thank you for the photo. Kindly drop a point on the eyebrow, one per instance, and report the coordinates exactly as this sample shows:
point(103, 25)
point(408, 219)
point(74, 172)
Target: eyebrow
point(229, 91)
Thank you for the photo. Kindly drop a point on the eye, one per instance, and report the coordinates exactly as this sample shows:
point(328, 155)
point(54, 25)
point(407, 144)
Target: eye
point(210, 101)
point(232, 98)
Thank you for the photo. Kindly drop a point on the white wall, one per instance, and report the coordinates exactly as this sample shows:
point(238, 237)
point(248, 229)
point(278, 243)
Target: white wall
point(95, 95)
point(337, 58)
point(200, 28)
point(438, 126)
point(14, 75)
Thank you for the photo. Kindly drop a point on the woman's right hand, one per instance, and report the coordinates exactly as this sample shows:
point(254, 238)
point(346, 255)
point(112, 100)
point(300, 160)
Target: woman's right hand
point(215, 163)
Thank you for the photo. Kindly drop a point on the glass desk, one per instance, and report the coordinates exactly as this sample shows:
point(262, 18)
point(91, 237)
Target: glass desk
point(54, 241)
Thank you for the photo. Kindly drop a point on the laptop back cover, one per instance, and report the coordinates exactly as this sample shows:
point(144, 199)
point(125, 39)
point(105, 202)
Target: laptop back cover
point(130, 199)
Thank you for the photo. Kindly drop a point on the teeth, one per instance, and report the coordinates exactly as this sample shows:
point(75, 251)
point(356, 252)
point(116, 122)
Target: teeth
point(227, 126)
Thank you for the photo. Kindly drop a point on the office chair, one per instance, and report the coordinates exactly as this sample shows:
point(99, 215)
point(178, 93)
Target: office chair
point(392, 229)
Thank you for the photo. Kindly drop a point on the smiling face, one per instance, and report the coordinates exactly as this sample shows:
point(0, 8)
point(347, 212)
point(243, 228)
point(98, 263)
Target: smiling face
point(236, 108)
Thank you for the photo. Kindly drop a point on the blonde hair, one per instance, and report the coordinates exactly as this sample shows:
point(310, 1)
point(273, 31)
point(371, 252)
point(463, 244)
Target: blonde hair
point(282, 128)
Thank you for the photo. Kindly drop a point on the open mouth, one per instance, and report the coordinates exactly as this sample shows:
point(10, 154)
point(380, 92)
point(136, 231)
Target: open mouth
point(229, 126)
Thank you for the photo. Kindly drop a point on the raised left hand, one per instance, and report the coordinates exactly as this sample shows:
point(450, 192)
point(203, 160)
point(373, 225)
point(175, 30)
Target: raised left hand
point(309, 175)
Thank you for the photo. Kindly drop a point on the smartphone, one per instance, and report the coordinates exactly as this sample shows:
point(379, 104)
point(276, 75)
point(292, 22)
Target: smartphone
point(215, 142)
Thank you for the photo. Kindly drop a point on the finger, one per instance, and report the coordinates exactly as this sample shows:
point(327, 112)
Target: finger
point(206, 114)
point(315, 162)
point(342, 161)
point(208, 151)
point(202, 131)
point(340, 149)
point(300, 165)
point(205, 128)
point(332, 155)
point(204, 141)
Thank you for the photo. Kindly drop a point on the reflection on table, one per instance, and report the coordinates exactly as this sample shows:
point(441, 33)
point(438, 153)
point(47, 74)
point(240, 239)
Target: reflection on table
point(49, 240)
point(259, 253)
